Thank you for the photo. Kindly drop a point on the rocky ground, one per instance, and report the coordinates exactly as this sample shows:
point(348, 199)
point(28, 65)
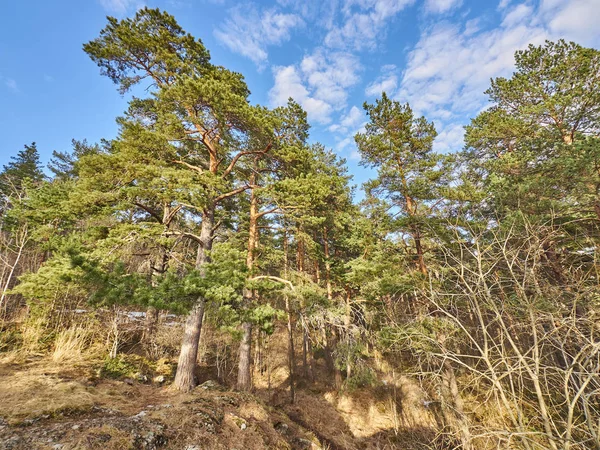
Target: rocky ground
point(67, 406)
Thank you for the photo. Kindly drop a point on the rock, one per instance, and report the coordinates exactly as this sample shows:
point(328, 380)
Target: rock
point(141, 377)
point(282, 428)
point(13, 442)
point(239, 421)
point(159, 379)
point(151, 440)
point(75, 427)
point(211, 385)
point(303, 443)
point(227, 400)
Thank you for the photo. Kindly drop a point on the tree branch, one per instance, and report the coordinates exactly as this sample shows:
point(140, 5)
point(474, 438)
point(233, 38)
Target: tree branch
point(231, 193)
point(271, 277)
point(240, 154)
point(150, 211)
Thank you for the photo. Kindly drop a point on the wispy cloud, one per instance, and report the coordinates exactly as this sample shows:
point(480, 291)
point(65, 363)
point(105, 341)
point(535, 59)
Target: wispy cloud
point(441, 6)
point(121, 7)
point(575, 19)
point(387, 82)
point(450, 138)
point(350, 123)
point(248, 31)
point(353, 118)
point(9, 83)
point(364, 23)
point(450, 67)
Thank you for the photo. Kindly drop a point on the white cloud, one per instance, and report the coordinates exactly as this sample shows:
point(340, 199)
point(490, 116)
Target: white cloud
point(319, 83)
point(577, 19)
point(288, 83)
point(364, 22)
point(249, 33)
point(517, 15)
point(351, 119)
point(10, 83)
point(316, 12)
point(346, 143)
point(121, 7)
point(441, 6)
point(350, 123)
point(387, 82)
point(450, 139)
point(450, 67)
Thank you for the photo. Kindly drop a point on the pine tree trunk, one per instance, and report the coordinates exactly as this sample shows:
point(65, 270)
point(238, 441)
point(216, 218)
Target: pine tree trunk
point(327, 265)
point(244, 381)
point(337, 374)
point(186, 366)
point(347, 324)
point(420, 253)
point(304, 352)
point(184, 378)
point(290, 326)
point(152, 314)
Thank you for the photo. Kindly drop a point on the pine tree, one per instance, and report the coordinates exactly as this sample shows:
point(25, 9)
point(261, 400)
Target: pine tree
point(411, 177)
point(23, 168)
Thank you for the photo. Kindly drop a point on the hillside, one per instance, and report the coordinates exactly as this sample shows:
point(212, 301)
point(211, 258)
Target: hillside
point(67, 405)
point(211, 278)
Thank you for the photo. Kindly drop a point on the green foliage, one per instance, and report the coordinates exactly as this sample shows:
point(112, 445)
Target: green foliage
point(205, 197)
point(534, 150)
point(127, 366)
point(64, 165)
point(152, 39)
point(361, 374)
point(23, 169)
point(56, 279)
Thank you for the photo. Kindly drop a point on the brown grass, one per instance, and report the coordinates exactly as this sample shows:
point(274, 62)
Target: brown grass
point(70, 344)
point(34, 391)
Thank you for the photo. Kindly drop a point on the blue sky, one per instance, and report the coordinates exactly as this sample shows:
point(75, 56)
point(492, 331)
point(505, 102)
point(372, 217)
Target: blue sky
point(330, 55)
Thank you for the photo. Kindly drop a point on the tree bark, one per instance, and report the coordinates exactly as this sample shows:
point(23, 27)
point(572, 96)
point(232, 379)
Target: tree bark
point(184, 378)
point(152, 314)
point(420, 253)
point(244, 382)
point(347, 324)
point(290, 326)
point(327, 265)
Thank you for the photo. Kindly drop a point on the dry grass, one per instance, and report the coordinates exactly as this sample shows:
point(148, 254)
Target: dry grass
point(70, 344)
point(33, 331)
point(36, 392)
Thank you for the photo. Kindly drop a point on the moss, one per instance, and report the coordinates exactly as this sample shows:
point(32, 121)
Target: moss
point(124, 366)
point(164, 367)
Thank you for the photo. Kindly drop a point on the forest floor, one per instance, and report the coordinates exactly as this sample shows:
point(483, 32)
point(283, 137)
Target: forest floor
point(47, 405)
